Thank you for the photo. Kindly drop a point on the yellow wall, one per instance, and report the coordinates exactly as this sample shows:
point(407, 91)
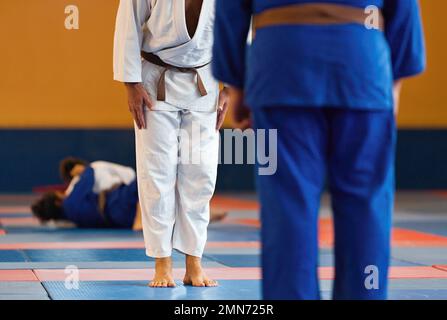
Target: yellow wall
point(424, 97)
point(53, 77)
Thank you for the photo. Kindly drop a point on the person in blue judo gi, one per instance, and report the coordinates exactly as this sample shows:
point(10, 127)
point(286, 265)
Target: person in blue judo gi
point(99, 195)
point(326, 75)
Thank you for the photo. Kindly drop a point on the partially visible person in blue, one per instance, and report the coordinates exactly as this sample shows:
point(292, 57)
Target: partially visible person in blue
point(329, 84)
point(100, 195)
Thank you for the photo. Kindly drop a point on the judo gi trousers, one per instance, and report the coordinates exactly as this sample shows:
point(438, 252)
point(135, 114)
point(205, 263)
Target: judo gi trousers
point(177, 157)
point(353, 150)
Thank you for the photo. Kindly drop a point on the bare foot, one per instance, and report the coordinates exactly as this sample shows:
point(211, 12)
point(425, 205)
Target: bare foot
point(163, 274)
point(195, 276)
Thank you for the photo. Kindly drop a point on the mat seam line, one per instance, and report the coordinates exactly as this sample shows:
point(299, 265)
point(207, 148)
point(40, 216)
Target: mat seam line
point(41, 283)
point(438, 268)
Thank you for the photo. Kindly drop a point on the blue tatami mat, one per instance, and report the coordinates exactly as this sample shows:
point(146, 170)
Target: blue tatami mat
point(434, 227)
point(235, 233)
point(61, 236)
point(228, 290)
point(427, 294)
point(254, 260)
point(91, 255)
point(15, 215)
point(150, 263)
point(236, 260)
point(422, 256)
point(12, 256)
point(22, 291)
point(86, 234)
point(138, 290)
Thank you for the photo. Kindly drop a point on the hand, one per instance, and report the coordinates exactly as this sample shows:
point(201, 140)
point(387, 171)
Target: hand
point(224, 101)
point(77, 170)
point(138, 98)
point(396, 92)
point(241, 113)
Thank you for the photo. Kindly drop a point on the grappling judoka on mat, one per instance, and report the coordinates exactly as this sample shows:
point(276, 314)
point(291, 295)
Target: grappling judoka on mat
point(99, 194)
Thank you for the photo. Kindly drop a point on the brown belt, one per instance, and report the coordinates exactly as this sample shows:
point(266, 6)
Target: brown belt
point(161, 89)
point(312, 13)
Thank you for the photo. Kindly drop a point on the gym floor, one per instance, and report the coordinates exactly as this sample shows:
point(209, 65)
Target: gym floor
point(112, 263)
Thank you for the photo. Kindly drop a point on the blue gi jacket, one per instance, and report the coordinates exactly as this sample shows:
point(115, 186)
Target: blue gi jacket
point(344, 66)
point(81, 206)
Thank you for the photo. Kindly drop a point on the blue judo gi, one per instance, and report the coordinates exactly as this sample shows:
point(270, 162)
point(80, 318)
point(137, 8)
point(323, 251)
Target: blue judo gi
point(327, 89)
point(82, 208)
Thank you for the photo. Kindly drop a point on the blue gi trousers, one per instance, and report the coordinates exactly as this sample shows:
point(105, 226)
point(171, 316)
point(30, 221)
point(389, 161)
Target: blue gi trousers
point(352, 152)
point(121, 206)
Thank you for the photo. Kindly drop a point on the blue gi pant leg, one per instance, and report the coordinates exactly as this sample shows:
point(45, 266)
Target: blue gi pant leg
point(290, 201)
point(361, 182)
point(121, 206)
point(358, 149)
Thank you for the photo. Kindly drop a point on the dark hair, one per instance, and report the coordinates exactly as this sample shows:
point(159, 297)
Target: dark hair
point(47, 208)
point(67, 165)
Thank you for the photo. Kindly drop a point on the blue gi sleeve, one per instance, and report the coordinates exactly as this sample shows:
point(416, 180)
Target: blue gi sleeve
point(81, 206)
point(233, 18)
point(404, 33)
point(85, 184)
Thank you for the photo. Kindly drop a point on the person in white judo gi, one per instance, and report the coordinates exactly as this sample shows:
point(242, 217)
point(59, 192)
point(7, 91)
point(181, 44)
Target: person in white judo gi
point(163, 53)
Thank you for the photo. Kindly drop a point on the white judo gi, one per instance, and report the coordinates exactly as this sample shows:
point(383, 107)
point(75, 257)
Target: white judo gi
point(174, 191)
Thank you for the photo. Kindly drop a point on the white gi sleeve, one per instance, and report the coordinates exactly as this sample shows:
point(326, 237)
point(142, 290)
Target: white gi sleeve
point(130, 20)
point(109, 174)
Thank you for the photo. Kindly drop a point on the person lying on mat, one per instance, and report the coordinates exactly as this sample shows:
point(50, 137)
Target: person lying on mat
point(99, 195)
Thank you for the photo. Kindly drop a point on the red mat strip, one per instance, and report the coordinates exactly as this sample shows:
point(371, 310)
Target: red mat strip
point(16, 222)
point(440, 193)
point(231, 203)
point(71, 245)
point(147, 274)
point(325, 273)
point(441, 267)
point(17, 275)
point(15, 209)
point(17, 198)
point(109, 245)
point(400, 237)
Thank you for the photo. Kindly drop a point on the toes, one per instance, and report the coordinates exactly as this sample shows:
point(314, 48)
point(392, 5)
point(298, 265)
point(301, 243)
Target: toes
point(199, 284)
point(162, 284)
point(154, 284)
point(199, 281)
point(211, 283)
